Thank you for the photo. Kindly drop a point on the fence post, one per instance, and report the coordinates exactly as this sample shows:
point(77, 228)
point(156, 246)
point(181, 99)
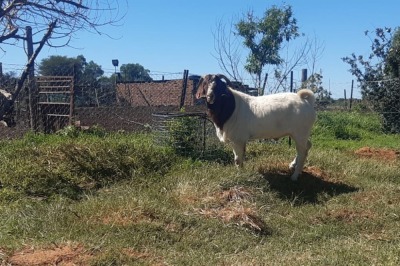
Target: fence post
point(184, 86)
point(303, 76)
point(351, 93)
point(264, 84)
point(33, 93)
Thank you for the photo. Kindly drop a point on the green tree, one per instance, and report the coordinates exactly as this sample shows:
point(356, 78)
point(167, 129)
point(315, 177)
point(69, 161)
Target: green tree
point(265, 36)
point(134, 72)
point(92, 72)
point(314, 83)
point(392, 66)
point(378, 75)
point(87, 78)
point(57, 65)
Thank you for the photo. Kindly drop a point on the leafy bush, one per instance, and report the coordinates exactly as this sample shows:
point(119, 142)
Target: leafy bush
point(386, 101)
point(185, 135)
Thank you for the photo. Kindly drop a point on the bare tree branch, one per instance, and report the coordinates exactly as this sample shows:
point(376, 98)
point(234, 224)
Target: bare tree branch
point(72, 16)
point(227, 48)
point(27, 69)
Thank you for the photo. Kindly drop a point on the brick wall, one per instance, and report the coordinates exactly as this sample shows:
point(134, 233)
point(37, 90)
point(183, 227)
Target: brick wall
point(157, 93)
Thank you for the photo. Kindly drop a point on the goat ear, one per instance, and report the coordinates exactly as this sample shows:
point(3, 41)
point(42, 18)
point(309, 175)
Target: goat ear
point(200, 93)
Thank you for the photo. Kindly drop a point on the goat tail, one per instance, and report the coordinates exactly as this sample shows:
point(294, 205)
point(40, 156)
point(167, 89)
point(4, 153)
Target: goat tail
point(307, 95)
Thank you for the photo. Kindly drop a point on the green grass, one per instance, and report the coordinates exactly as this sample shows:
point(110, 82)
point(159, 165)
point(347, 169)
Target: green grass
point(117, 199)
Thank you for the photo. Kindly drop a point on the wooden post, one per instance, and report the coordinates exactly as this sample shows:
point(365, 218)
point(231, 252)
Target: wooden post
point(345, 100)
point(71, 101)
point(351, 93)
point(32, 90)
point(303, 76)
point(264, 84)
point(184, 87)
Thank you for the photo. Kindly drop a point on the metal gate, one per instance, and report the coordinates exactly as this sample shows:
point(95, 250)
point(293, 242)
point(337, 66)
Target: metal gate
point(56, 101)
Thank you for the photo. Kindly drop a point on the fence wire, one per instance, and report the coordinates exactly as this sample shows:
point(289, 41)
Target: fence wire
point(166, 106)
point(383, 97)
point(186, 132)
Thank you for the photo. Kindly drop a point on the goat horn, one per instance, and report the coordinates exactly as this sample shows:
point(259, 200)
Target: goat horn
point(228, 82)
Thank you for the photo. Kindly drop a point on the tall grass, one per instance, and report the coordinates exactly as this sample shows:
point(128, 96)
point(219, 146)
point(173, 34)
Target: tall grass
point(69, 165)
point(116, 199)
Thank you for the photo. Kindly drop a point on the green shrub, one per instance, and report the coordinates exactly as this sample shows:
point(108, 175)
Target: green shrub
point(185, 135)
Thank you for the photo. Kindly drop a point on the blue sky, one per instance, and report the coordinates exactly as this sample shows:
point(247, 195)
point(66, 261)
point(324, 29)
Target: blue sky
point(170, 36)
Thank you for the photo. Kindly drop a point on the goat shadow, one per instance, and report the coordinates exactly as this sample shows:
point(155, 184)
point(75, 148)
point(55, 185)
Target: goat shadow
point(310, 188)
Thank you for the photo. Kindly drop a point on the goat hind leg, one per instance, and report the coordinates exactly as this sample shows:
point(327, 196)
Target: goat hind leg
point(302, 152)
point(293, 164)
point(238, 151)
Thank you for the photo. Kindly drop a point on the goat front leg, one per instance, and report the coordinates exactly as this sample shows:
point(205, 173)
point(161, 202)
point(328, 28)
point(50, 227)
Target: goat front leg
point(239, 149)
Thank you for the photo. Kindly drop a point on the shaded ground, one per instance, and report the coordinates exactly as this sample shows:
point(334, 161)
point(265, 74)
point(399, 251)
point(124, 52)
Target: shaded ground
point(314, 185)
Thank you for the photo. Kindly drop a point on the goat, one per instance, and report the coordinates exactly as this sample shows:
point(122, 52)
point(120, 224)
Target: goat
point(6, 109)
point(239, 117)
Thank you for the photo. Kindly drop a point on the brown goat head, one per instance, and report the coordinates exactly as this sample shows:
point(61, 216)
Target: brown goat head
point(208, 84)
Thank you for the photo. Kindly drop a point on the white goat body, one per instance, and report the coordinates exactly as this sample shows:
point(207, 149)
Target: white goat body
point(261, 117)
point(268, 117)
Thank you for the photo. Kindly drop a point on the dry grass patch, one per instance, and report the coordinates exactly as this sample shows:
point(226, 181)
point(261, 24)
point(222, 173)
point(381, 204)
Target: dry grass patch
point(69, 254)
point(234, 205)
point(187, 194)
point(125, 217)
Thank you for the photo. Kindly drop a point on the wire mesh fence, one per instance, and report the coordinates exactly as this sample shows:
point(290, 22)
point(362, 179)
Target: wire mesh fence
point(165, 106)
point(53, 102)
point(187, 133)
point(383, 97)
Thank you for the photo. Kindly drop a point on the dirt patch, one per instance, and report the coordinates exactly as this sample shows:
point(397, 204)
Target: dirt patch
point(379, 154)
point(61, 255)
point(317, 172)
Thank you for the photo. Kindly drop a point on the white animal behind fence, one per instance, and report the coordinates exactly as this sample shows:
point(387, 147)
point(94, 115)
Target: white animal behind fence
point(239, 117)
